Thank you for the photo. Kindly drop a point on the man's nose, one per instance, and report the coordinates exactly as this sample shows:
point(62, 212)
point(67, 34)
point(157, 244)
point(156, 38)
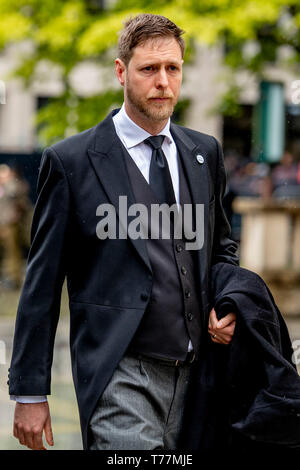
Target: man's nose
point(162, 79)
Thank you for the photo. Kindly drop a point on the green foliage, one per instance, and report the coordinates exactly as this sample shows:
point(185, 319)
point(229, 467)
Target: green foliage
point(180, 111)
point(67, 32)
point(69, 114)
point(229, 103)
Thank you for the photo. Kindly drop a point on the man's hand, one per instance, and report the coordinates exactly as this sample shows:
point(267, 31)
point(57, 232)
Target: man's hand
point(221, 331)
point(30, 420)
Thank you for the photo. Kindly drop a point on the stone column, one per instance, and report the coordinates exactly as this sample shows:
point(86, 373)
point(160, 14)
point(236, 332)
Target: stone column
point(270, 246)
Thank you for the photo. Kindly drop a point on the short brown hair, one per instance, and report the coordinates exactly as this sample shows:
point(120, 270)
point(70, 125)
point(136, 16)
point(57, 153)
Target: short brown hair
point(146, 26)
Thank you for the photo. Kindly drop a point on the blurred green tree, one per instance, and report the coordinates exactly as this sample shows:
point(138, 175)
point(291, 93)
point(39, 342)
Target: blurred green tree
point(66, 33)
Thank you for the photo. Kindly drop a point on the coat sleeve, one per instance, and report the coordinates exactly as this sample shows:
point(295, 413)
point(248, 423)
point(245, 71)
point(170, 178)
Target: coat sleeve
point(224, 249)
point(39, 304)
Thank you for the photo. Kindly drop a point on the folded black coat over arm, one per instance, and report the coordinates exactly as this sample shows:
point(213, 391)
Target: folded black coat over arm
point(246, 394)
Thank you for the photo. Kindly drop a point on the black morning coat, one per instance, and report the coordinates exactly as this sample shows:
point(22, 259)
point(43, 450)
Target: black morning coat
point(246, 395)
point(109, 281)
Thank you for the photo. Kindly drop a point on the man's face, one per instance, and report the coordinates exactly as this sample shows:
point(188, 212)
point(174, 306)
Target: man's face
point(152, 79)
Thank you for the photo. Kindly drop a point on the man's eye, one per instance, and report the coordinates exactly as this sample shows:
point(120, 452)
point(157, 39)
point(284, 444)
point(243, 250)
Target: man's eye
point(148, 68)
point(173, 68)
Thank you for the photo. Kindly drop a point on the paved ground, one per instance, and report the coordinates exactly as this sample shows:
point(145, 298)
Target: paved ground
point(62, 402)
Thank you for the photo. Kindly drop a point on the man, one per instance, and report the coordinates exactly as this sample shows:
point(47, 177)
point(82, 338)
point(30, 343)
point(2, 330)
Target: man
point(139, 306)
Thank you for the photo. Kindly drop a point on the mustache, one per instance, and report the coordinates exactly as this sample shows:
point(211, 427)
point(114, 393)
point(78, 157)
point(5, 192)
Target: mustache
point(160, 96)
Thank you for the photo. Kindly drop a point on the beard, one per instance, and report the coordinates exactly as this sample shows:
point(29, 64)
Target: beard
point(152, 110)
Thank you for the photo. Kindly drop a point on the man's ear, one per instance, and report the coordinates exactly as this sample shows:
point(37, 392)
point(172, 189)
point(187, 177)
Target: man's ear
point(120, 70)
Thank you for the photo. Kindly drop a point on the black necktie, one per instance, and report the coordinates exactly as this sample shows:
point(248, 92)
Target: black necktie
point(160, 179)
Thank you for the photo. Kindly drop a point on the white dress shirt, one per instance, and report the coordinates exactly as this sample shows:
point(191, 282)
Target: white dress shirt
point(132, 137)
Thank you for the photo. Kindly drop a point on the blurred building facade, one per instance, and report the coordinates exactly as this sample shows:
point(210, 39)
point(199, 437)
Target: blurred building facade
point(204, 82)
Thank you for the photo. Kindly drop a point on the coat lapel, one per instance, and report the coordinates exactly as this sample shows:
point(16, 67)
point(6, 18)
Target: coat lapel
point(196, 172)
point(108, 162)
point(198, 180)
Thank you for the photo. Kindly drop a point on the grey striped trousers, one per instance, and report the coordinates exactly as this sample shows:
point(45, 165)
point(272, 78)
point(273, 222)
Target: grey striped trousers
point(142, 406)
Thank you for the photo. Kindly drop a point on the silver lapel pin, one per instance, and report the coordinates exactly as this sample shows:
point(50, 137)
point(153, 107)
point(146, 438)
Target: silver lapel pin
point(200, 159)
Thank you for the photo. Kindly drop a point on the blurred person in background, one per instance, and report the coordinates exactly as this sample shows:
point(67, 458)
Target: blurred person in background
point(251, 179)
point(14, 206)
point(245, 178)
point(24, 208)
point(286, 176)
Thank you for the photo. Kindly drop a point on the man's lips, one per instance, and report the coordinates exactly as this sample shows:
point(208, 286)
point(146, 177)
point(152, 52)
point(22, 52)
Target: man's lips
point(161, 99)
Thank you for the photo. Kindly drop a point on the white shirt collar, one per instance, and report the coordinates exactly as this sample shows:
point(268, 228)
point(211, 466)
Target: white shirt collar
point(132, 134)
